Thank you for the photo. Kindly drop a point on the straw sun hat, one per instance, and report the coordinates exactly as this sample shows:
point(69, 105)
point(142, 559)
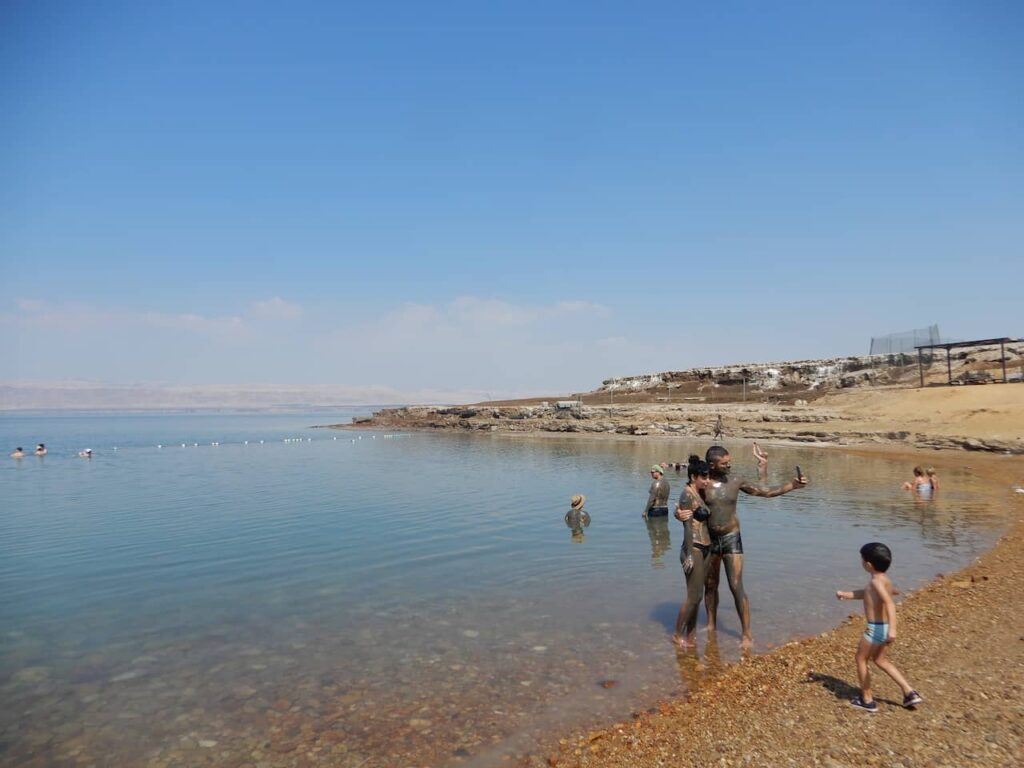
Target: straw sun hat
point(578, 501)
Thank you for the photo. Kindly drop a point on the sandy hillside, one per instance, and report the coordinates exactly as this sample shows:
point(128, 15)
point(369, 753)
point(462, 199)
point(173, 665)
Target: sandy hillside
point(992, 411)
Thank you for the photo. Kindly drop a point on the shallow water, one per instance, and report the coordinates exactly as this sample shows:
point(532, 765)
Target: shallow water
point(390, 600)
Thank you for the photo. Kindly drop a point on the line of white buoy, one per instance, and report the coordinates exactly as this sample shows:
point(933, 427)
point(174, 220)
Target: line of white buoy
point(216, 443)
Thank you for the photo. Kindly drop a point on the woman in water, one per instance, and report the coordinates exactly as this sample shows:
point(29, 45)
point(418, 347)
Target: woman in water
point(693, 514)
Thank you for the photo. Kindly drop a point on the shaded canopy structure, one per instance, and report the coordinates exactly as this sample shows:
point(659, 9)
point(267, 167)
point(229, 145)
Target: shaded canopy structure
point(955, 344)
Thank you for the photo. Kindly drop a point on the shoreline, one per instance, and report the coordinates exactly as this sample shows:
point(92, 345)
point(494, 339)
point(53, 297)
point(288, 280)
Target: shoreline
point(960, 645)
point(977, 419)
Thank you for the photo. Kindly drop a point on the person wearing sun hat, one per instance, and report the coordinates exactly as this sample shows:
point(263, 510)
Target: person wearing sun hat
point(577, 518)
point(657, 496)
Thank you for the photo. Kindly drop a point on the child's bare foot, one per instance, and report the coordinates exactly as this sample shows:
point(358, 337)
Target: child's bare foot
point(747, 643)
point(684, 642)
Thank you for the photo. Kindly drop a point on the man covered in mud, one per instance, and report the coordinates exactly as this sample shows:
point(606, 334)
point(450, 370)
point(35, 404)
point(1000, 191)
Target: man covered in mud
point(726, 543)
point(657, 495)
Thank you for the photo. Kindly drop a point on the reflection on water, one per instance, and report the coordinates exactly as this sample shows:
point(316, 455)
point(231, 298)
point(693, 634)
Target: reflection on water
point(408, 601)
point(661, 539)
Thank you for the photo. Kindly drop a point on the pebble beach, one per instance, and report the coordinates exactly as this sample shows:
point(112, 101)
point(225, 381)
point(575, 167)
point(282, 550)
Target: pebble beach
point(961, 643)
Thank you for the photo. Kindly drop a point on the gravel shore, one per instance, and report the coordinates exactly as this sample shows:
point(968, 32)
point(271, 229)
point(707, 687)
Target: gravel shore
point(961, 645)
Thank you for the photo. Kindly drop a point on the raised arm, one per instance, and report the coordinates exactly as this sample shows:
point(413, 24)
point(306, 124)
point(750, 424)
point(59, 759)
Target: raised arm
point(857, 594)
point(762, 463)
point(770, 492)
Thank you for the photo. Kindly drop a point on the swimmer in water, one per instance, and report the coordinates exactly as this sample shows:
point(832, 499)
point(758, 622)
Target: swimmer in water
point(721, 497)
point(932, 478)
point(761, 456)
point(40, 450)
point(86, 454)
point(920, 484)
point(18, 453)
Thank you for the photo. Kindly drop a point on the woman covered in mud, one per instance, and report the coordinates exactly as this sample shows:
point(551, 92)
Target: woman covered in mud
point(693, 514)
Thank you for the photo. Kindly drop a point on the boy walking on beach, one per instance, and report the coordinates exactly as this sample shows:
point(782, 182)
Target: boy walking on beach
point(880, 612)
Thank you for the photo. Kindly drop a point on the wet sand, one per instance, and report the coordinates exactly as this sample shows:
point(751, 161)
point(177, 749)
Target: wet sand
point(961, 644)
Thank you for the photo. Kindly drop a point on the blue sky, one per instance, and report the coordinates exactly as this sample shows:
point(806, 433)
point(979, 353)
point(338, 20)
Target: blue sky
point(507, 197)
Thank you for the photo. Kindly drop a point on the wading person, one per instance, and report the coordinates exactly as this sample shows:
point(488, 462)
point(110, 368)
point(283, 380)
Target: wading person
point(921, 484)
point(577, 518)
point(657, 495)
point(721, 496)
point(693, 555)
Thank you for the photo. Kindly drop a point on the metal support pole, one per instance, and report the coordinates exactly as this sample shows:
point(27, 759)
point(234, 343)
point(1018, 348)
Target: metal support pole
point(920, 365)
point(949, 367)
point(1002, 358)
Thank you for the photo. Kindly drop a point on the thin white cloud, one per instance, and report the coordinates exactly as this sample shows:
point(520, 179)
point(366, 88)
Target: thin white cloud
point(65, 317)
point(199, 324)
point(276, 309)
point(581, 308)
point(470, 317)
point(72, 318)
point(464, 345)
point(472, 341)
point(32, 305)
point(497, 313)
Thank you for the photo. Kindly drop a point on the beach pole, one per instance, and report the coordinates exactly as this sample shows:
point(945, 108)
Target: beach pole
point(1002, 358)
point(949, 367)
point(920, 365)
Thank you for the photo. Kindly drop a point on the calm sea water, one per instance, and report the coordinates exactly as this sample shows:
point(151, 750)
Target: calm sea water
point(375, 599)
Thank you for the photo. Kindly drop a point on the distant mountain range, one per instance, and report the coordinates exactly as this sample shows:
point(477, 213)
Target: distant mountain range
point(84, 395)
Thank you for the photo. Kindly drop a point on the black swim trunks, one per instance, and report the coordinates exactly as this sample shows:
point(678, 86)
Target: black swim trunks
point(727, 544)
point(658, 512)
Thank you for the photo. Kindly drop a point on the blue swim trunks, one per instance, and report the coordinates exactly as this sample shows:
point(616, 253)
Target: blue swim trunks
point(877, 632)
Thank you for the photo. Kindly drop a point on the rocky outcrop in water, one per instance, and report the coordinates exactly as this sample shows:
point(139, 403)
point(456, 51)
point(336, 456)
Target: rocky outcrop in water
point(673, 403)
point(797, 424)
